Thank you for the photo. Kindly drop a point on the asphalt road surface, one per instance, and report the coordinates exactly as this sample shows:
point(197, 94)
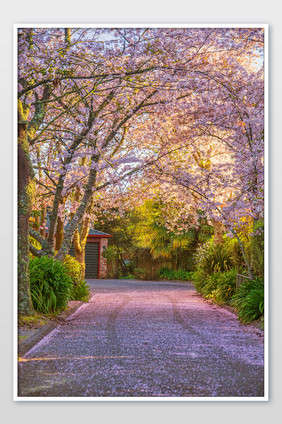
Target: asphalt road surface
point(146, 339)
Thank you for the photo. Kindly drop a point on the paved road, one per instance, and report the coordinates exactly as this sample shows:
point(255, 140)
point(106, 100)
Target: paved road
point(146, 339)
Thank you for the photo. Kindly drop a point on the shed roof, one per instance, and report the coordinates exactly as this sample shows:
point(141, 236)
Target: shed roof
point(96, 233)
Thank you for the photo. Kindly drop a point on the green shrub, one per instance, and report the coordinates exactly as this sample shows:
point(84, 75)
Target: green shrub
point(80, 291)
point(234, 252)
point(253, 242)
point(257, 248)
point(225, 286)
point(249, 300)
point(128, 277)
point(74, 269)
point(140, 273)
point(207, 286)
point(169, 274)
point(50, 285)
point(210, 259)
point(165, 272)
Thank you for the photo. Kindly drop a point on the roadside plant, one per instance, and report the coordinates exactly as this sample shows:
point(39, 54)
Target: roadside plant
point(249, 301)
point(225, 286)
point(140, 273)
point(180, 274)
point(128, 277)
point(210, 259)
point(50, 285)
point(80, 290)
point(74, 269)
point(257, 248)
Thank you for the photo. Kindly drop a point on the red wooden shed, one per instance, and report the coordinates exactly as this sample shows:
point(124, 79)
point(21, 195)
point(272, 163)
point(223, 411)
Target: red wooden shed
point(95, 263)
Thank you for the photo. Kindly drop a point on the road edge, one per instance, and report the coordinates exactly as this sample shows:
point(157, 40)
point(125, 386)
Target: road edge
point(25, 345)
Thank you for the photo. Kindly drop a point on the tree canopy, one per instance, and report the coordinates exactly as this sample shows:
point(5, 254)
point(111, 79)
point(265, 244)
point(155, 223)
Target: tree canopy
point(104, 112)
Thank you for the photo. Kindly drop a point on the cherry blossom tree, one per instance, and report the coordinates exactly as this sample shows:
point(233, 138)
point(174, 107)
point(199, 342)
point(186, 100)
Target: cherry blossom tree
point(219, 162)
point(90, 108)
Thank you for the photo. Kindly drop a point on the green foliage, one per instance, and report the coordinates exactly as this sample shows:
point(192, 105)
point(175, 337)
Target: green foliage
point(208, 286)
point(257, 248)
point(146, 227)
point(74, 269)
point(137, 273)
point(110, 253)
point(153, 233)
point(209, 259)
point(214, 277)
point(234, 251)
point(204, 230)
point(221, 286)
point(249, 301)
point(252, 239)
point(50, 285)
point(80, 290)
point(140, 273)
point(128, 277)
point(34, 243)
point(169, 274)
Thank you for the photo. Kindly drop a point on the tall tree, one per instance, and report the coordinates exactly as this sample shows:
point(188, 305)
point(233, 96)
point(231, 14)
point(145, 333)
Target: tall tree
point(99, 95)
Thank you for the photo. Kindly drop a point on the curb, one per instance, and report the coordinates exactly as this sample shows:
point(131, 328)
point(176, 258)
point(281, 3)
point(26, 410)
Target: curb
point(31, 341)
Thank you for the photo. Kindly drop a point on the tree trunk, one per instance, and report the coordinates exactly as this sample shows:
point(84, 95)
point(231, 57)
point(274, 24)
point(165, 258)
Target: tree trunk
point(73, 225)
point(218, 231)
point(79, 242)
point(80, 257)
point(59, 233)
point(43, 220)
point(68, 36)
point(26, 188)
point(79, 249)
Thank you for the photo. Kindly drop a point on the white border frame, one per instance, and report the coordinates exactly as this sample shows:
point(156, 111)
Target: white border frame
point(266, 219)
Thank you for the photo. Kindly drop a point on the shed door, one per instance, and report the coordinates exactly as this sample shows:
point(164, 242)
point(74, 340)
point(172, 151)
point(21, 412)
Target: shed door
point(91, 259)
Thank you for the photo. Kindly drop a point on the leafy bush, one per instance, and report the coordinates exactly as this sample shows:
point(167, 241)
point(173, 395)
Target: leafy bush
point(50, 285)
point(224, 284)
point(253, 242)
point(234, 252)
point(74, 269)
point(214, 276)
point(208, 286)
point(128, 277)
point(210, 259)
point(249, 300)
point(169, 274)
point(80, 289)
point(257, 248)
point(140, 273)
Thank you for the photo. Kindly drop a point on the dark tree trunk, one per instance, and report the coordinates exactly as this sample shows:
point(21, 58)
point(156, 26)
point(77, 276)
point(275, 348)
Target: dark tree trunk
point(25, 197)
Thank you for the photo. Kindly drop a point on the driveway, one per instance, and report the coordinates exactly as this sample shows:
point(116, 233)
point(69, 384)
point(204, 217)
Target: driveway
point(146, 339)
